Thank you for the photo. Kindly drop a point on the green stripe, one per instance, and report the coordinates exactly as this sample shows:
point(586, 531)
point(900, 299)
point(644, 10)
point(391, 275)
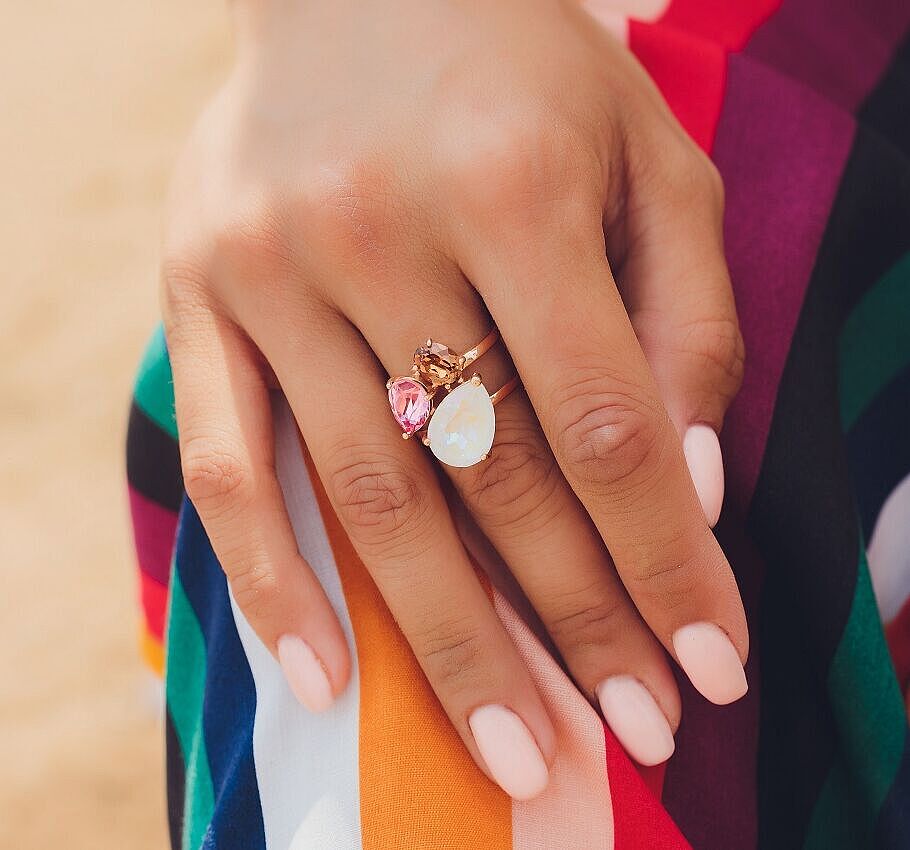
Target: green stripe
point(185, 677)
point(875, 342)
point(869, 713)
point(865, 696)
point(154, 391)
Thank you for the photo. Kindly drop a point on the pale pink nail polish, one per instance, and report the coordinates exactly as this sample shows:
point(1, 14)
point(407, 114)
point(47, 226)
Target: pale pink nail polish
point(711, 662)
point(702, 450)
point(635, 718)
point(509, 750)
point(306, 676)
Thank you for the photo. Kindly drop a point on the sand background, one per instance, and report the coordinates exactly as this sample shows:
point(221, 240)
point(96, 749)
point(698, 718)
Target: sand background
point(95, 99)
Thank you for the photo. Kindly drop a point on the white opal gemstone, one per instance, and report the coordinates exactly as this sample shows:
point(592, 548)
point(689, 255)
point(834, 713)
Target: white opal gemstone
point(461, 430)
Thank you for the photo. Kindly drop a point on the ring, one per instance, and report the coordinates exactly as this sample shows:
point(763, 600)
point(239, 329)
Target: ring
point(460, 428)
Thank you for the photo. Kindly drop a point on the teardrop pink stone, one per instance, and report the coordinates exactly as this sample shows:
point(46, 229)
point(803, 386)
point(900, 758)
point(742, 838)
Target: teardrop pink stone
point(410, 404)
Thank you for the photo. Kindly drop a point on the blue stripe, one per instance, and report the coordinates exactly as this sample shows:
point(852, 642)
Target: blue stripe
point(229, 707)
point(893, 824)
point(878, 449)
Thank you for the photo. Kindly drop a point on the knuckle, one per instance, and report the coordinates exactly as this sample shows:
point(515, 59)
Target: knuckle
point(346, 207)
point(450, 654)
point(254, 245)
point(718, 344)
point(214, 478)
point(669, 583)
point(588, 619)
point(693, 179)
point(705, 188)
point(512, 488)
point(253, 585)
point(608, 436)
point(513, 166)
point(713, 181)
point(379, 500)
point(183, 286)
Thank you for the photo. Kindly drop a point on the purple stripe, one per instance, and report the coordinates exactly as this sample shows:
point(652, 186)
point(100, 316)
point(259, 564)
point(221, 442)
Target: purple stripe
point(781, 150)
point(840, 48)
point(154, 530)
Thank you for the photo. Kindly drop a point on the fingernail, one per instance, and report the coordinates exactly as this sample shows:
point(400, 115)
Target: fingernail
point(305, 674)
point(510, 751)
point(711, 662)
point(706, 466)
point(636, 719)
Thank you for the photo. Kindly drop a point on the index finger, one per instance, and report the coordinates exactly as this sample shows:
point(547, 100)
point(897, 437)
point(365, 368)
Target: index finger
point(550, 289)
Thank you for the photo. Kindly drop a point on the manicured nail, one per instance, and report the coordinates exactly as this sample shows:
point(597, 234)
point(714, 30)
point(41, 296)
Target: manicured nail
point(711, 662)
point(706, 466)
point(636, 719)
point(305, 674)
point(510, 751)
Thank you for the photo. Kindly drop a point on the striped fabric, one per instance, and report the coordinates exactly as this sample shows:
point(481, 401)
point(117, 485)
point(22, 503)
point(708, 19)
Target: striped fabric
point(805, 108)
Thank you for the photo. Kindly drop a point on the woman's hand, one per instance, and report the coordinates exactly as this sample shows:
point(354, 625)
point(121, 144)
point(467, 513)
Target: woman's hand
point(374, 174)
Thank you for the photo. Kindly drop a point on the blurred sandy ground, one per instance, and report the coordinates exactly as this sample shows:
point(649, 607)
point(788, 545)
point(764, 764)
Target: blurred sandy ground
point(95, 99)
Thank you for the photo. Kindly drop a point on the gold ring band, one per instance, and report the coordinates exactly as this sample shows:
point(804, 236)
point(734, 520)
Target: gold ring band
point(480, 349)
point(505, 390)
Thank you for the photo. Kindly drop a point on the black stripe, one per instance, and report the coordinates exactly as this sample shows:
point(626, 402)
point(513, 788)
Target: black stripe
point(176, 783)
point(803, 512)
point(153, 461)
point(887, 109)
point(879, 449)
point(893, 827)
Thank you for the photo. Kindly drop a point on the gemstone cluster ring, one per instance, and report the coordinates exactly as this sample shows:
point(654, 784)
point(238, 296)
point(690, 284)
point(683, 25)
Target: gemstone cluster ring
point(453, 414)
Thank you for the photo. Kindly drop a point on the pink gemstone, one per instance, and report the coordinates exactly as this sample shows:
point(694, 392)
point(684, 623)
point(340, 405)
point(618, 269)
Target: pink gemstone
point(410, 404)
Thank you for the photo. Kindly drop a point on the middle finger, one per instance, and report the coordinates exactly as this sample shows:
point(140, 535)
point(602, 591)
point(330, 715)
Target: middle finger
point(601, 411)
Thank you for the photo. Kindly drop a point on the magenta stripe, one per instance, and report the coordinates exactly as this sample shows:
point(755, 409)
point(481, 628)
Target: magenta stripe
point(840, 48)
point(781, 150)
point(154, 530)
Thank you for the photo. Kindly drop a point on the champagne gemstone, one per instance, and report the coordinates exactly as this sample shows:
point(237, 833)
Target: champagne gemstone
point(410, 404)
point(461, 430)
point(437, 365)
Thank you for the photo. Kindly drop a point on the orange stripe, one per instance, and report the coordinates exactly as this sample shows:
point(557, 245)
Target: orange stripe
point(418, 784)
point(152, 651)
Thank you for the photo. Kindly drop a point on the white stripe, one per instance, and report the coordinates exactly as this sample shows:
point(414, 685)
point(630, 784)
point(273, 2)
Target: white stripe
point(306, 765)
point(888, 552)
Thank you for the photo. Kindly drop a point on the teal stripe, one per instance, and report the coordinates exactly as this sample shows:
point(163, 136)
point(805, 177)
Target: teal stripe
point(185, 677)
point(875, 342)
point(154, 392)
point(869, 712)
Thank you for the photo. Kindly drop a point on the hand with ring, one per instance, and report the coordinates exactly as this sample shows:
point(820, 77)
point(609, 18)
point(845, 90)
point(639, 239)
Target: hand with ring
point(490, 175)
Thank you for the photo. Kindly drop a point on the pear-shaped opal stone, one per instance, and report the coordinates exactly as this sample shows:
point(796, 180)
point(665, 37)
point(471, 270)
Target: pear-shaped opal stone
point(461, 430)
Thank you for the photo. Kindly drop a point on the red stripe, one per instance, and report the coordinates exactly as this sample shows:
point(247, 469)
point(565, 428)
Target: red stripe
point(154, 532)
point(639, 820)
point(154, 604)
point(690, 73)
point(898, 634)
